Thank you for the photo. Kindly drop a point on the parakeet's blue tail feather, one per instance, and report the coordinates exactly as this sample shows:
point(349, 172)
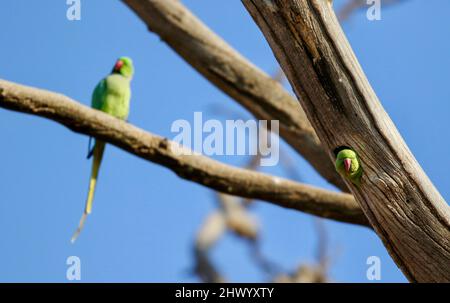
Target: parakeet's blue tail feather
point(90, 149)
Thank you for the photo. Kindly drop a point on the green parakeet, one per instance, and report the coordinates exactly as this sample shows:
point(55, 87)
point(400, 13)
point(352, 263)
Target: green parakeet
point(112, 96)
point(349, 165)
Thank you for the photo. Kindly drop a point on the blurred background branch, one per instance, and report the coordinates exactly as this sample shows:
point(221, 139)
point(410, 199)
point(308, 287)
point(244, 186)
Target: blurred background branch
point(236, 76)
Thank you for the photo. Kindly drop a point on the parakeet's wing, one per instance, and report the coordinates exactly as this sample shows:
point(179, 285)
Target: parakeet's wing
point(98, 96)
point(97, 102)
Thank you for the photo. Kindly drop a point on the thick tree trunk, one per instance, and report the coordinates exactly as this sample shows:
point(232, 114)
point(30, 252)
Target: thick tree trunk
point(401, 203)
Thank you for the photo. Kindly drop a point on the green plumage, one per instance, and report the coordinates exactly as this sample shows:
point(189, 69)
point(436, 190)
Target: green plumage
point(353, 171)
point(111, 95)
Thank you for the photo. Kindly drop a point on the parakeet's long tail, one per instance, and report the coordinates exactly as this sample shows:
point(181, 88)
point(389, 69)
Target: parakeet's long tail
point(99, 148)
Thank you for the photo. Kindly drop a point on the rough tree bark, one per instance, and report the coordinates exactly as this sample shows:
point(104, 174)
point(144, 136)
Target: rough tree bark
point(401, 203)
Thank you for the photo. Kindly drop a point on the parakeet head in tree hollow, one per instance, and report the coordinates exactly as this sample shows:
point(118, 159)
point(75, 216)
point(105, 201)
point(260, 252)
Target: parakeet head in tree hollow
point(124, 66)
point(349, 165)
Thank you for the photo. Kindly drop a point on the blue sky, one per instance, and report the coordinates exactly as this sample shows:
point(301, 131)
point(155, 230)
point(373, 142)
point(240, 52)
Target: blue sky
point(145, 218)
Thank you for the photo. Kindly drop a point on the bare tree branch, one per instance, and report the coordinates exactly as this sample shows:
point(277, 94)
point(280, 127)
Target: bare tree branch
point(196, 168)
point(401, 203)
point(265, 98)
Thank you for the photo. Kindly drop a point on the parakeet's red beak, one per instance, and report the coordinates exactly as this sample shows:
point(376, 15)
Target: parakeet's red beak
point(347, 164)
point(118, 65)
